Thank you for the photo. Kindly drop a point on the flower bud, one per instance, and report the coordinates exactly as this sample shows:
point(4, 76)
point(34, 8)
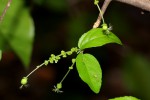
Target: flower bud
point(24, 80)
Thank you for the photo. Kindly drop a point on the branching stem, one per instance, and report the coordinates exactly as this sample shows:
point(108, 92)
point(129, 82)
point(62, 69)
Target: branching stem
point(143, 4)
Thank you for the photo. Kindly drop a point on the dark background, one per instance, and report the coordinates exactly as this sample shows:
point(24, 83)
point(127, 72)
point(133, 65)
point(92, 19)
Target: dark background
point(58, 26)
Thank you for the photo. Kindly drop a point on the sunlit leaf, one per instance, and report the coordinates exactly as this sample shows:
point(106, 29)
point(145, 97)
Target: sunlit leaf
point(89, 71)
point(97, 37)
point(125, 98)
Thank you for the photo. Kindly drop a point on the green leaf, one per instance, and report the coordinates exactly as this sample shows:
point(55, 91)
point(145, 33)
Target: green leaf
point(22, 38)
point(97, 37)
point(136, 74)
point(14, 9)
point(89, 71)
point(125, 98)
point(17, 30)
point(0, 54)
point(39, 2)
point(57, 5)
point(7, 25)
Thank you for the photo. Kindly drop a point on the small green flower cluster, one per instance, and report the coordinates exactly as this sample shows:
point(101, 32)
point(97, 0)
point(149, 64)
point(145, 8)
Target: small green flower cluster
point(54, 59)
point(73, 61)
point(104, 26)
point(96, 2)
point(24, 82)
point(57, 88)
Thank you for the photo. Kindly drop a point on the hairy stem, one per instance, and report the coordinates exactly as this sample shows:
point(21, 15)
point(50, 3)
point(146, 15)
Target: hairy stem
point(5, 10)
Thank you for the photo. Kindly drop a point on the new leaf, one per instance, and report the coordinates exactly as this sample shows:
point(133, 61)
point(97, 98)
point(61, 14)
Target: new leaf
point(89, 71)
point(97, 37)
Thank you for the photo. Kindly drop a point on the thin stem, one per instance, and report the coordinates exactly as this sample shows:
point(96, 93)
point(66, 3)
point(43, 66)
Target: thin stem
point(65, 76)
point(67, 73)
point(5, 10)
point(144, 4)
point(35, 69)
point(100, 13)
point(104, 7)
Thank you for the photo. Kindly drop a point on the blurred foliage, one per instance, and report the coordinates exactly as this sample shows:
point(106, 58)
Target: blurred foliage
point(59, 26)
point(125, 98)
point(56, 5)
point(118, 20)
point(137, 75)
point(76, 28)
point(0, 54)
point(17, 30)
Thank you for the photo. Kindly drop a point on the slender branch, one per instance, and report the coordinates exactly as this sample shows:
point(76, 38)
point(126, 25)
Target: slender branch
point(104, 7)
point(5, 10)
point(143, 4)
